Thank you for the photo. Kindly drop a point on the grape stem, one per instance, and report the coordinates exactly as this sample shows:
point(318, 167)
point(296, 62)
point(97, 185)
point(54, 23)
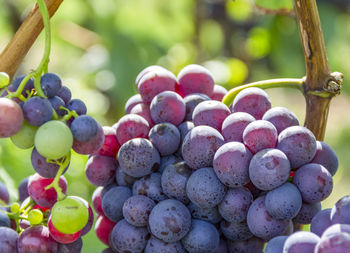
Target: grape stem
point(296, 83)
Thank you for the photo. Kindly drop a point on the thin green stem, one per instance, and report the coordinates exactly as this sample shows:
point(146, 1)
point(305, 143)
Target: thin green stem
point(295, 83)
point(69, 114)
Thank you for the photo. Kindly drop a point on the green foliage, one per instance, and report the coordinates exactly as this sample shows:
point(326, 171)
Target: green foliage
point(275, 4)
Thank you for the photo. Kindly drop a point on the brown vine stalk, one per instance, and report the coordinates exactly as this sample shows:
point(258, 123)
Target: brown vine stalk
point(18, 47)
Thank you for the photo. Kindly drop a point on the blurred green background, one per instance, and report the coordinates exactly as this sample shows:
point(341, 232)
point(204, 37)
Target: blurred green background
point(100, 46)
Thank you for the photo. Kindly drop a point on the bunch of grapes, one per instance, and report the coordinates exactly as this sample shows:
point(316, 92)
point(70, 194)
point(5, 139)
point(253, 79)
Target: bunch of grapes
point(40, 115)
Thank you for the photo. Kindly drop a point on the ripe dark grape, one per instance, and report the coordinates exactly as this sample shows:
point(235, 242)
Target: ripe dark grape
point(165, 137)
point(4, 219)
point(281, 118)
point(65, 94)
point(4, 193)
point(103, 228)
point(235, 231)
point(124, 179)
point(149, 186)
point(321, 221)
point(275, 245)
point(84, 128)
point(27, 87)
point(191, 101)
point(131, 126)
point(77, 105)
point(92, 146)
point(8, 240)
point(97, 200)
point(218, 92)
point(253, 244)
point(50, 84)
point(143, 110)
point(326, 156)
point(56, 102)
point(111, 145)
point(37, 111)
point(137, 209)
point(301, 242)
point(231, 163)
point(132, 101)
point(74, 247)
point(341, 210)
point(234, 125)
point(100, 170)
point(36, 239)
point(61, 237)
point(155, 245)
point(335, 243)
point(147, 70)
point(23, 189)
point(211, 214)
point(113, 201)
point(184, 128)
point(307, 212)
point(11, 117)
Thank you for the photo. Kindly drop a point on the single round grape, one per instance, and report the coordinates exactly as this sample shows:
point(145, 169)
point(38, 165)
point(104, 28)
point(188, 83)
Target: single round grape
point(149, 186)
point(92, 146)
point(307, 212)
point(233, 126)
point(36, 239)
point(340, 211)
point(326, 156)
point(24, 138)
point(8, 240)
point(77, 105)
point(321, 221)
point(275, 245)
point(100, 170)
point(14, 207)
point(4, 79)
point(37, 111)
point(301, 242)
point(184, 128)
point(56, 103)
point(50, 84)
point(113, 201)
point(74, 247)
point(253, 244)
point(11, 117)
point(154, 245)
point(147, 70)
point(35, 217)
point(132, 101)
point(69, 215)
point(235, 231)
point(335, 243)
point(131, 126)
point(218, 92)
point(65, 94)
point(111, 145)
point(281, 118)
point(23, 189)
point(165, 137)
point(61, 237)
point(143, 110)
point(211, 215)
point(137, 209)
point(4, 219)
point(103, 229)
point(191, 101)
point(84, 128)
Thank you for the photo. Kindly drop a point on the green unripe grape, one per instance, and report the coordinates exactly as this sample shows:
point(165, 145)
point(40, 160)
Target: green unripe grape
point(24, 138)
point(35, 216)
point(4, 79)
point(15, 207)
point(69, 215)
point(53, 139)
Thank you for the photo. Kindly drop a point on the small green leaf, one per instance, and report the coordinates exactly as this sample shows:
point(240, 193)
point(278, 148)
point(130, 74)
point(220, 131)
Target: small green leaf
point(285, 5)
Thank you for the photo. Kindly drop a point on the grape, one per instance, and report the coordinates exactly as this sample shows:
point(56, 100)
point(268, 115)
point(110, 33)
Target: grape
point(132, 101)
point(341, 210)
point(147, 70)
point(11, 118)
point(259, 135)
point(138, 157)
point(4, 219)
point(275, 245)
point(97, 200)
point(155, 82)
point(65, 94)
point(149, 186)
point(137, 209)
point(254, 101)
point(86, 229)
point(202, 237)
point(92, 146)
point(204, 188)
point(111, 145)
point(77, 105)
point(84, 128)
point(321, 221)
point(74, 247)
point(169, 220)
point(165, 137)
point(191, 101)
point(211, 215)
point(155, 245)
point(326, 157)
point(131, 126)
point(61, 237)
point(50, 84)
point(8, 240)
point(218, 93)
point(251, 245)
point(143, 111)
point(42, 167)
point(56, 103)
point(195, 79)
point(211, 113)
point(37, 111)
point(234, 207)
point(184, 128)
point(36, 239)
point(314, 182)
point(235, 231)
point(335, 243)
point(53, 140)
point(103, 228)
point(23, 189)
point(261, 223)
point(281, 118)
point(28, 87)
point(174, 179)
point(166, 160)
point(299, 144)
point(113, 201)
point(200, 145)
point(100, 170)
point(35, 216)
point(234, 125)
point(36, 189)
point(69, 215)
point(4, 194)
point(24, 138)
point(127, 238)
point(307, 212)
point(301, 242)
point(283, 202)
point(168, 106)
point(124, 179)
point(336, 228)
point(231, 162)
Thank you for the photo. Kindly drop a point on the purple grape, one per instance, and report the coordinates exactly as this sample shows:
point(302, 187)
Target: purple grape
point(281, 118)
point(166, 160)
point(218, 92)
point(321, 221)
point(56, 102)
point(100, 170)
point(124, 179)
point(202, 237)
point(137, 209)
point(155, 245)
point(84, 128)
point(127, 238)
point(254, 101)
point(301, 242)
point(231, 163)
point(11, 118)
point(50, 84)
point(113, 201)
point(211, 215)
point(138, 157)
point(200, 145)
point(28, 87)
point(336, 228)
point(131, 126)
point(259, 135)
point(168, 106)
point(65, 94)
point(307, 212)
point(275, 245)
point(143, 110)
point(326, 157)
point(184, 128)
point(23, 189)
point(335, 243)
point(36, 239)
point(8, 240)
point(341, 211)
point(195, 79)
point(191, 101)
point(74, 247)
point(146, 70)
point(165, 137)
point(235, 231)
point(170, 220)
point(234, 207)
point(299, 144)
point(77, 105)
point(283, 202)
point(174, 179)
point(4, 219)
point(251, 245)
point(4, 194)
point(92, 146)
point(149, 186)
point(269, 169)
point(86, 229)
point(132, 101)
point(37, 111)
point(234, 125)
point(261, 223)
